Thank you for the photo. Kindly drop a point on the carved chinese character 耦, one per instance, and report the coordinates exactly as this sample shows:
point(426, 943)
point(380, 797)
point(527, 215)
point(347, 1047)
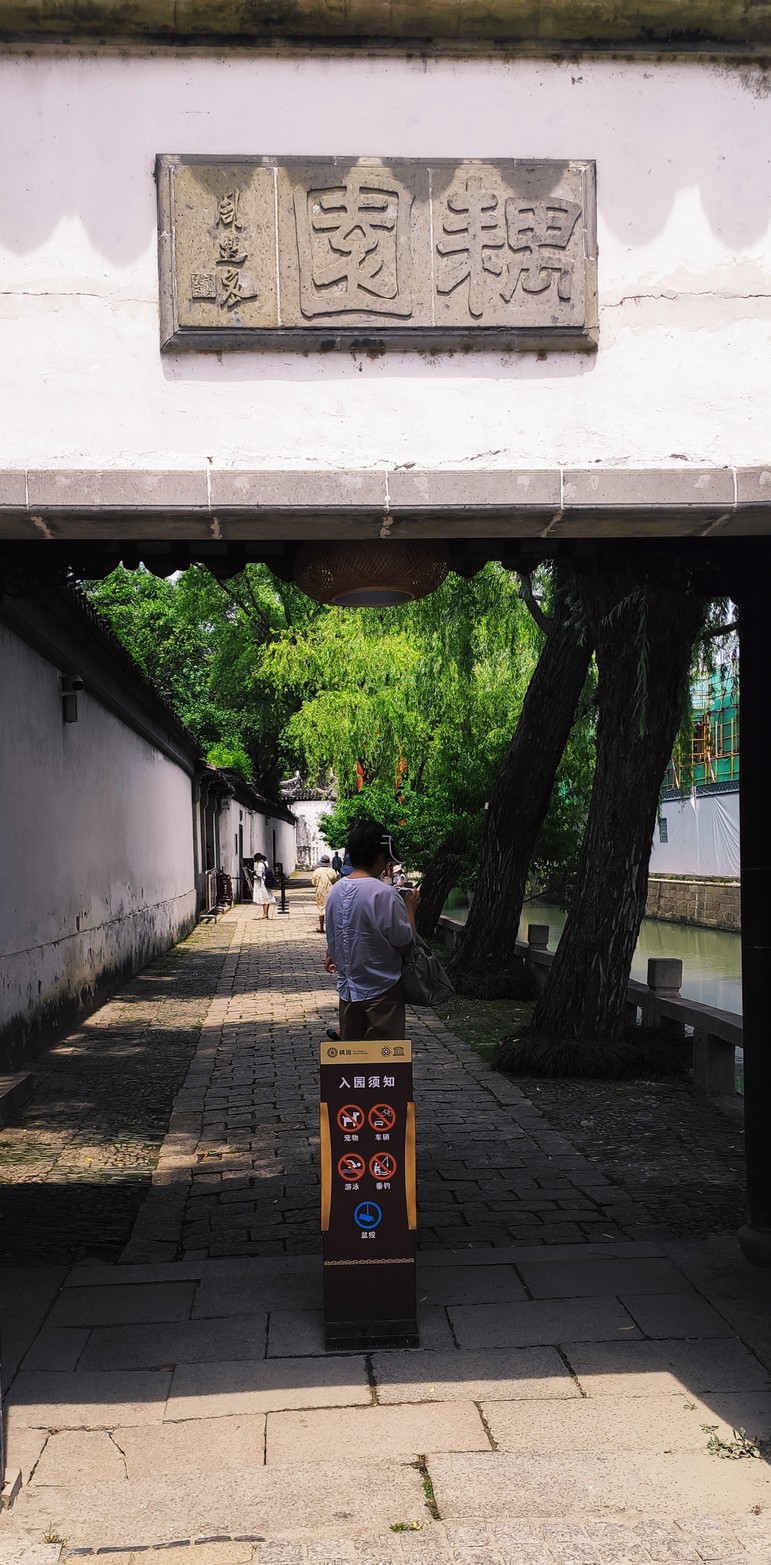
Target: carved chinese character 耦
point(473, 236)
point(533, 229)
point(351, 241)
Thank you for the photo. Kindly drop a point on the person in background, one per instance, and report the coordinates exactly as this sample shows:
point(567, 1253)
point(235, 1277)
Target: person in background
point(337, 863)
point(370, 928)
point(323, 879)
point(399, 879)
point(346, 866)
point(260, 893)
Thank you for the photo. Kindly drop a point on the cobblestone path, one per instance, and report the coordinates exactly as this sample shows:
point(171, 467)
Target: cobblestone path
point(237, 1174)
point(679, 1154)
point(226, 1027)
point(75, 1169)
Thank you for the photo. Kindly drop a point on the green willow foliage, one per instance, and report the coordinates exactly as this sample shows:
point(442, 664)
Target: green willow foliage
point(419, 702)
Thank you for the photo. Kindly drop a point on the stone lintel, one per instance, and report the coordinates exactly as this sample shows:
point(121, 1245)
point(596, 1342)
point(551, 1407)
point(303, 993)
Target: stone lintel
point(525, 26)
point(224, 504)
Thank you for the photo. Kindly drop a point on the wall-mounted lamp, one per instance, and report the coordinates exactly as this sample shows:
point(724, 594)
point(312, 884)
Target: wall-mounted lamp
point(70, 685)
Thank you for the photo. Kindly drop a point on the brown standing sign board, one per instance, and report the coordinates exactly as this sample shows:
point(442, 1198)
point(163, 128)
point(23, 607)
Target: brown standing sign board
point(368, 1201)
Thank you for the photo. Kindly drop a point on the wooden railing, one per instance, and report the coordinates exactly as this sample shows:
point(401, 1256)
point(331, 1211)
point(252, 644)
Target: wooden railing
point(704, 1039)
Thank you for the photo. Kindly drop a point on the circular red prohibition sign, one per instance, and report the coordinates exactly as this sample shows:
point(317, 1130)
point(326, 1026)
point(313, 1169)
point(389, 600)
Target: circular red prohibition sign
point(382, 1165)
point(382, 1116)
point(350, 1117)
point(351, 1166)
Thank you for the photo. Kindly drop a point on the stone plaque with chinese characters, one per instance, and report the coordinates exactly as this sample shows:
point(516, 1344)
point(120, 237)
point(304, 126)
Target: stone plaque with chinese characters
point(370, 253)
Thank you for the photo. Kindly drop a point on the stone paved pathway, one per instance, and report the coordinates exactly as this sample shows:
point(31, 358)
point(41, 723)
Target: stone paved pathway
point(75, 1169)
point(669, 1148)
point(180, 1408)
point(237, 1175)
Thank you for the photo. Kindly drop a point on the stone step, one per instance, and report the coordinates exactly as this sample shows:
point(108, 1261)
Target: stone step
point(15, 1091)
point(472, 1490)
point(550, 1540)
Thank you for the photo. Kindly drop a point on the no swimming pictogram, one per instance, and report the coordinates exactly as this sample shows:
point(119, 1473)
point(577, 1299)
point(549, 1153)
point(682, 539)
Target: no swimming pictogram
point(351, 1166)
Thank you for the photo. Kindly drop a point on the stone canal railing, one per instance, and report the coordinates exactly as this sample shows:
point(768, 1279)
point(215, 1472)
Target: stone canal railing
point(704, 1038)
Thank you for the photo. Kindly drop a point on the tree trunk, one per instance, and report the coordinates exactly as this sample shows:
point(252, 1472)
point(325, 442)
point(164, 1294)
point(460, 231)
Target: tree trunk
point(643, 638)
point(442, 874)
point(520, 798)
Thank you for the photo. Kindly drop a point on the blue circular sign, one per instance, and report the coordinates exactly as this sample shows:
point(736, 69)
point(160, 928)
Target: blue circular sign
point(368, 1214)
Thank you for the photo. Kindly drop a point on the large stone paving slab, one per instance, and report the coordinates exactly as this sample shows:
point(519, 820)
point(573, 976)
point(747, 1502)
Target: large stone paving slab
point(219, 1298)
point(256, 1501)
point(479, 1284)
point(79, 1457)
point(542, 1321)
point(124, 1306)
point(178, 1342)
point(502, 1484)
point(532, 1374)
point(675, 1315)
point(89, 1401)
point(642, 1369)
point(198, 1445)
point(586, 1276)
point(376, 1433)
point(252, 1386)
point(668, 1423)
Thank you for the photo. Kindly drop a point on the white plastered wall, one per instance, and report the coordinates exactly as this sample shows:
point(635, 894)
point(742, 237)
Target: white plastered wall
point(258, 837)
point(96, 846)
point(702, 832)
point(683, 370)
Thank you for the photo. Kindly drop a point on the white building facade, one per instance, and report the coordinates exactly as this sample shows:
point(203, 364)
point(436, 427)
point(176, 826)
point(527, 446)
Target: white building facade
point(669, 414)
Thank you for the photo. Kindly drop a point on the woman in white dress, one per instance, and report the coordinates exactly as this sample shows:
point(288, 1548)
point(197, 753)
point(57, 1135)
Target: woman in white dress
point(260, 893)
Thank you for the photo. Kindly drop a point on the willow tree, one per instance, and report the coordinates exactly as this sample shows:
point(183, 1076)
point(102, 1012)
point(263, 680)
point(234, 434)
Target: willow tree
point(520, 796)
point(202, 642)
point(416, 703)
point(643, 634)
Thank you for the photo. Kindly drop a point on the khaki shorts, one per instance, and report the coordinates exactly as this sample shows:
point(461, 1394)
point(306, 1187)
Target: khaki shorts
point(382, 1017)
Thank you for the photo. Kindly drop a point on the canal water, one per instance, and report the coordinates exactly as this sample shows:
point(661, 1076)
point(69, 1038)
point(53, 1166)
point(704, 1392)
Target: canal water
point(711, 958)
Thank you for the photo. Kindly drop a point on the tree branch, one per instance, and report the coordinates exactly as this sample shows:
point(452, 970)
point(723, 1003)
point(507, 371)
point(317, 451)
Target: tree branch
point(532, 604)
point(720, 630)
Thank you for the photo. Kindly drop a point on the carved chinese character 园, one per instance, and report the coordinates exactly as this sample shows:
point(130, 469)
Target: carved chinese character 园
point(473, 239)
point(539, 232)
point(353, 245)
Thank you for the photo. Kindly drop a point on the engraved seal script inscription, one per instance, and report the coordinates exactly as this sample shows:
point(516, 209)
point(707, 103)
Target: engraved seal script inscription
point(334, 252)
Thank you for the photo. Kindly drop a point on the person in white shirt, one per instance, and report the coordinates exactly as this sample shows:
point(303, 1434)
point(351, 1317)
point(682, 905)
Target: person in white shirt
point(370, 928)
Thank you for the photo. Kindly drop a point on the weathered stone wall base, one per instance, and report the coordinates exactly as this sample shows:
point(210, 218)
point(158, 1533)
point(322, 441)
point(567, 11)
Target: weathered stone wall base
point(57, 985)
point(712, 904)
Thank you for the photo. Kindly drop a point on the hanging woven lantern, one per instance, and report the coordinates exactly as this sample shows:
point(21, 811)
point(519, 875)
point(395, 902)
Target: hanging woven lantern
point(369, 574)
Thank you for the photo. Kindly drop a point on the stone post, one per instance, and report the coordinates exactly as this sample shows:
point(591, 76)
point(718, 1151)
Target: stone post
point(665, 978)
point(537, 940)
point(714, 1064)
point(755, 846)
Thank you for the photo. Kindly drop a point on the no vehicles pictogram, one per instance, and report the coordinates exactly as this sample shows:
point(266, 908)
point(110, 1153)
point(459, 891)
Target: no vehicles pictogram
point(382, 1116)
